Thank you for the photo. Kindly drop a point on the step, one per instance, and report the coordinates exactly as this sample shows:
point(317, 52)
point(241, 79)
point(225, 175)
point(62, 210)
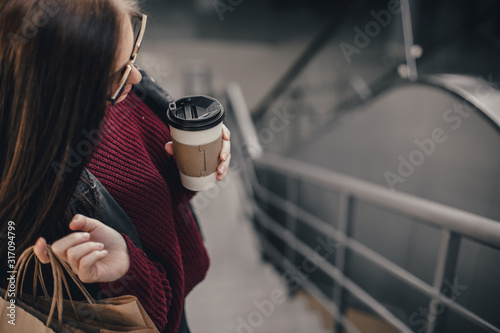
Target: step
point(286, 317)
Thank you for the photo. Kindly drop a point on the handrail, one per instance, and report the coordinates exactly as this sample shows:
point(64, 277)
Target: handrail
point(327, 229)
point(334, 272)
point(477, 227)
point(329, 306)
point(480, 228)
point(454, 223)
point(377, 259)
point(250, 145)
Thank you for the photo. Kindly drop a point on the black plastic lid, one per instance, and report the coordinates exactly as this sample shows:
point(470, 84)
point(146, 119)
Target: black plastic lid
point(195, 113)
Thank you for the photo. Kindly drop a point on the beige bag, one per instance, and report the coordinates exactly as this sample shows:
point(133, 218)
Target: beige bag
point(34, 314)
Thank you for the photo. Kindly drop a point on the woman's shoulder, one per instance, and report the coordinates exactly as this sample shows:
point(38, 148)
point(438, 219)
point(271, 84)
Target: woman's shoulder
point(153, 95)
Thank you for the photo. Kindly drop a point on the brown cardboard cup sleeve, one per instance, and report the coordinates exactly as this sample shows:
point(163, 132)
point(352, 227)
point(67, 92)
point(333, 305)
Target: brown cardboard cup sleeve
point(198, 160)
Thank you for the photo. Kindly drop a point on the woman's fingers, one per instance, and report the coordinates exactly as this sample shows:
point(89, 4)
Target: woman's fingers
point(61, 246)
point(225, 150)
point(222, 169)
point(225, 153)
point(169, 147)
point(98, 254)
point(83, 223)
point(87, 272)
point(76, 253)
point(40, 250)
point(226, 134)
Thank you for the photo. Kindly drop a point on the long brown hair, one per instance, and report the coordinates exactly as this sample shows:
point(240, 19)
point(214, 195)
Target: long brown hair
point(55, 61)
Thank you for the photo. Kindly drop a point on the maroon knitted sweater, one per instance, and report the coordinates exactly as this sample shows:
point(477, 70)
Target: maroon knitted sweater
point(132, 164)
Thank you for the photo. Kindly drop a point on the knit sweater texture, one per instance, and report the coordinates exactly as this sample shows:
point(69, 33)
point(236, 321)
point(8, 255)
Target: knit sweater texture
point(131, 162)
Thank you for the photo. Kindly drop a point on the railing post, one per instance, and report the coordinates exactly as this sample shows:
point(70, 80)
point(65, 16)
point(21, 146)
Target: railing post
point(291, 217)
point(444, 274)
point(264, 232)
point(345, 229)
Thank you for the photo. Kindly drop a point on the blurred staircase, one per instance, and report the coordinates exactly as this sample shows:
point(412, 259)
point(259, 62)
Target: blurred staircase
point(225, 302)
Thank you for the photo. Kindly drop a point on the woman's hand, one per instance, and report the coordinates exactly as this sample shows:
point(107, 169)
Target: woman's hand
point(99, 254)
point(225, 153)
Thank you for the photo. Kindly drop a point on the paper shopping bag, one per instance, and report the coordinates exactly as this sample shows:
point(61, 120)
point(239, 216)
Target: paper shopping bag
point(17, 318)
point(118, 314)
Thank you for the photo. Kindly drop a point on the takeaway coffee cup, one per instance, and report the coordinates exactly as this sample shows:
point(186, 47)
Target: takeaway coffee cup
point(195, 124)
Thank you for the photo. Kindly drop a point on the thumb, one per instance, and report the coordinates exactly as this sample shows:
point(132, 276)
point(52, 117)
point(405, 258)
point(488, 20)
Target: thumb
point(169, 147)
point(83, 223)
point(40, 250)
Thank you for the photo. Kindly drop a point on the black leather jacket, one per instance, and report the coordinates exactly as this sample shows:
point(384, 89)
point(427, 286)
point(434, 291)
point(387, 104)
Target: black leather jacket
point(107, 209)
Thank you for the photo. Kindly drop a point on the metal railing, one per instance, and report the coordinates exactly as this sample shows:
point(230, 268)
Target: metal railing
point(454, 224)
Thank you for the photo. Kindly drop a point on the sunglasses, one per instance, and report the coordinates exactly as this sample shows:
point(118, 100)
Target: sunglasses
point(139, 28)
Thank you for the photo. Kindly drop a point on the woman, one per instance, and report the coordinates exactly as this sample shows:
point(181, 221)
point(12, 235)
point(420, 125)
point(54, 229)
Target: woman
point(61, 63)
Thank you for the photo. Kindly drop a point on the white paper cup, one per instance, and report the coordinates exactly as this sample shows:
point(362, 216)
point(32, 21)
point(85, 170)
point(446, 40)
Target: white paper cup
point(195, 124)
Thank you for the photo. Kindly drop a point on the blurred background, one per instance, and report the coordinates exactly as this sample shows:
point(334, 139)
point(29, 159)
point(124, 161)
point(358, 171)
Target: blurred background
point(364, 191)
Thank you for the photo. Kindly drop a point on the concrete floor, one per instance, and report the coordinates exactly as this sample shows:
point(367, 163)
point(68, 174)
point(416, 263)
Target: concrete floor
point(241, 293)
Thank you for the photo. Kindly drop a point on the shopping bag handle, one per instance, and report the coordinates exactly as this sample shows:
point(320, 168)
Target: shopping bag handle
point(58, 267)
